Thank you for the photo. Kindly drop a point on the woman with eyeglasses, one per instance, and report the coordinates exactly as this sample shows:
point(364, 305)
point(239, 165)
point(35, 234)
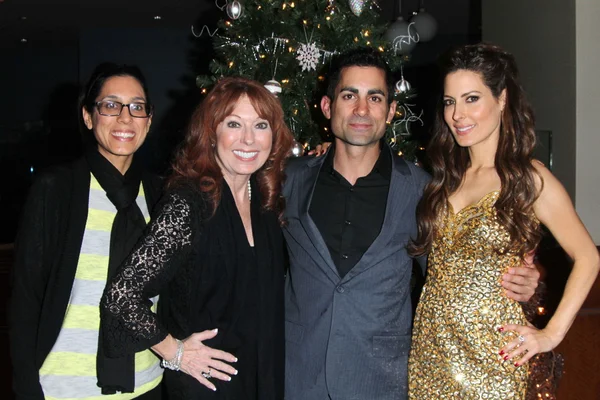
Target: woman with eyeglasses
point(79, 223)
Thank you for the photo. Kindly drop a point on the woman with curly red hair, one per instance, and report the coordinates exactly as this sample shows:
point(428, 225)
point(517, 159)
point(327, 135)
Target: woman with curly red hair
point(479, 216)
point(215, 254)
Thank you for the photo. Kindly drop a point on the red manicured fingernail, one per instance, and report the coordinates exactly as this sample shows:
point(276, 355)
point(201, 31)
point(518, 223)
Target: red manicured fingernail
point(505, 358)
point(501, 352)
point(501, 329)
point(516, 364)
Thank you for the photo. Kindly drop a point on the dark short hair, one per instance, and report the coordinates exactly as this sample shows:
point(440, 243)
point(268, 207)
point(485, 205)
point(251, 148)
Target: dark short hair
point(359, 57)
point(101, 74)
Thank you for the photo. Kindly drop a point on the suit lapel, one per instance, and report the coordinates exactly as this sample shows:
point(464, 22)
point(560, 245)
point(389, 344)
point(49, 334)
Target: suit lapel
point(306, 184)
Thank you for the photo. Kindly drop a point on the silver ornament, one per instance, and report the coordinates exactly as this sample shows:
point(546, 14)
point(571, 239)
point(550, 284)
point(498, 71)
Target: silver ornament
point(425, 24)
point(273, 86)
point(402, 86)
point(297, 149)
point(402, 36)
point(357, 6)
point(234, 9)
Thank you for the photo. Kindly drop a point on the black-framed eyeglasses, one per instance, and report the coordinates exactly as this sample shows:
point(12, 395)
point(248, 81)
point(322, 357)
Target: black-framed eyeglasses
point(110, 108)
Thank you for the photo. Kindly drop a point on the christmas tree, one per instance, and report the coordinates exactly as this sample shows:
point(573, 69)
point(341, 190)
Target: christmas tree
point(287, 44)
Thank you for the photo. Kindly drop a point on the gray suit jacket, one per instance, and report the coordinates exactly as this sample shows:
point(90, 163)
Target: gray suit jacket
point(348, 338)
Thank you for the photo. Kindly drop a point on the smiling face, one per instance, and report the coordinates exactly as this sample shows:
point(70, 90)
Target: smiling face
point(119, 137)
point(471, 111)
point(244, 141)
point(359, 110)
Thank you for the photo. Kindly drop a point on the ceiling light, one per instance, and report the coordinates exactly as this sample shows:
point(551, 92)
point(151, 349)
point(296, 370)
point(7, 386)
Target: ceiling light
point(157, 17)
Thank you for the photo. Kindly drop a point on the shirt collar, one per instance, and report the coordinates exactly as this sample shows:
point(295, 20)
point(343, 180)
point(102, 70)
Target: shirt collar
point(383, 165)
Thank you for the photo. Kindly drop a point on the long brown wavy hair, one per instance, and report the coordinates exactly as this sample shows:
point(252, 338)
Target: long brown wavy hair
point(513, 159)
point(196, 159)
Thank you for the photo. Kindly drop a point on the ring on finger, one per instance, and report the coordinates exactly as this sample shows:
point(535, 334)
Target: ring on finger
point(521, 339)
point(207, 375)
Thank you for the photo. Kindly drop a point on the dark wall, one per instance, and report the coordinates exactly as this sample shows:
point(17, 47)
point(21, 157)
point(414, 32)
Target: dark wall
point(28, 76)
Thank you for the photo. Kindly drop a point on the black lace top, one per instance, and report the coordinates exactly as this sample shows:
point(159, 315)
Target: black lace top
point(208, 277)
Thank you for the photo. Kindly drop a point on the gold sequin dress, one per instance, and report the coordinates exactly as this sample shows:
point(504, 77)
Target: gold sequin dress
point(455, 345)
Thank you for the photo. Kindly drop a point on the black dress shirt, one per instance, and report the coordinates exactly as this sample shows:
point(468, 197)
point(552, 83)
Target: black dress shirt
point(350, 217)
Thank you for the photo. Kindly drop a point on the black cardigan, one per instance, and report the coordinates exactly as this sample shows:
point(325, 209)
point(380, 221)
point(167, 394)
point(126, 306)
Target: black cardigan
point(208, 277)
point(46, 254)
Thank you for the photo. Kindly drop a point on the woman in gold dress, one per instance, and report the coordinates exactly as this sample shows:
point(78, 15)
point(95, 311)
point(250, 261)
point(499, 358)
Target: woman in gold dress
point(479, 216)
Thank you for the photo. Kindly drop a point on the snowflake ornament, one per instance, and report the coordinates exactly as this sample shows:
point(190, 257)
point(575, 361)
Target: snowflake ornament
point(308, 56)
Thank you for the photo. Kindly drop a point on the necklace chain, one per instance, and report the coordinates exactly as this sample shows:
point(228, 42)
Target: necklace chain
point(249, 191)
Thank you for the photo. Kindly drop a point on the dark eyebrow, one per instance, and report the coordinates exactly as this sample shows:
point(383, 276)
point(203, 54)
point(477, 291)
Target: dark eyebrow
point(349, 89)
point(117, 98)
point(355, 91)
point(376, 91)
point(259, 119)
point(464, 95)
point(470, 93)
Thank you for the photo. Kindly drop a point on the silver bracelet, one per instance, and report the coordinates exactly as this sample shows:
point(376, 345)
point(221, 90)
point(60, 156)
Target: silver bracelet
point(175, 362)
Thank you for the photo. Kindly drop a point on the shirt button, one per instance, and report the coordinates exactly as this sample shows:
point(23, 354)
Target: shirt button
point(340, 289)
point(345, 256)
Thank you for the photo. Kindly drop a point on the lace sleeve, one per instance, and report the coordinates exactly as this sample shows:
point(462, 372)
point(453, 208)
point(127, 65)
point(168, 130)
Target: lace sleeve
point(129, 325)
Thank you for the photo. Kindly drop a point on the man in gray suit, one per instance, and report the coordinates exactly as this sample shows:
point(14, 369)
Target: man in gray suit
point(350, 216)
